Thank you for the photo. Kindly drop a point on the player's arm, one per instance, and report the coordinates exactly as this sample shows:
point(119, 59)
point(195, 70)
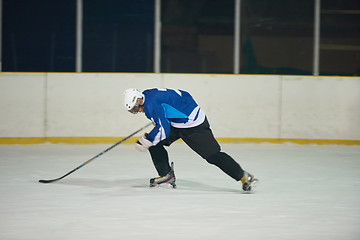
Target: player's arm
point(160, 132)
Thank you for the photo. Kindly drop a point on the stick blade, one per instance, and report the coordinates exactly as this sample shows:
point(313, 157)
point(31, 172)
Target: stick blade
point(47, 181)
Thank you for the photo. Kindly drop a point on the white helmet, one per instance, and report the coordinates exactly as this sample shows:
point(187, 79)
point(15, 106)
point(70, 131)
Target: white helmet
point(131, 96)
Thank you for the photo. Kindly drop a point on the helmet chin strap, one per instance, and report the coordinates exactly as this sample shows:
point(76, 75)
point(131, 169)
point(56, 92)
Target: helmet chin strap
point(137, 106)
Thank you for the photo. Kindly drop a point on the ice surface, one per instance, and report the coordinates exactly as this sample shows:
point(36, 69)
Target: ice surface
point(305, 192)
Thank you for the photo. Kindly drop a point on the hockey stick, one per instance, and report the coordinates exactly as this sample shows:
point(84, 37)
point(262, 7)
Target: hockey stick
point(88, 161)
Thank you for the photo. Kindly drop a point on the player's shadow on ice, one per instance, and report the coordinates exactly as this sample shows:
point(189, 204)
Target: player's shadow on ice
point(182, 185)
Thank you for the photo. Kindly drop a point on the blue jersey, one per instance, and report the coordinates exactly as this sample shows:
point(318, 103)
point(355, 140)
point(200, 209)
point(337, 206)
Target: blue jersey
point(169, 107)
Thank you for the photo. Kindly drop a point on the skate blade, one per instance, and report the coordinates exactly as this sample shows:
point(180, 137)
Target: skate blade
point(163, 185)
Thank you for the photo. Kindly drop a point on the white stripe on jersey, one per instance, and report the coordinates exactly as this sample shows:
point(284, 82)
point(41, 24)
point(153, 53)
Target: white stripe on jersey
point(192, 121)
point(177, 91)
point(160, 135)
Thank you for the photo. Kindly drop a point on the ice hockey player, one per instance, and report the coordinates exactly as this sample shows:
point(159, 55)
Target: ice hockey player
point(176, 115)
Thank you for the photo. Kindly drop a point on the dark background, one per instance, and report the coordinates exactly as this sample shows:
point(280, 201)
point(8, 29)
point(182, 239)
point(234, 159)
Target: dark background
point(196, 37)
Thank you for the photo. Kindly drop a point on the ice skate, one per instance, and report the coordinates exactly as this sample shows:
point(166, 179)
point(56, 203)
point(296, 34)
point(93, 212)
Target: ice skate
point(248, 181)
point(168, 178)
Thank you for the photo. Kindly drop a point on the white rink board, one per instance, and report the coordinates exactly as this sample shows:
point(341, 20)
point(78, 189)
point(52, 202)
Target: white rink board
point(238, 106)
point(92, 104)
point(22, 105)
point(325, 106)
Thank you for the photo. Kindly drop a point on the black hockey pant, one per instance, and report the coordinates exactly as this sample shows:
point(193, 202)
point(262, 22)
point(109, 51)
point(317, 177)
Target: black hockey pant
point(202, 141)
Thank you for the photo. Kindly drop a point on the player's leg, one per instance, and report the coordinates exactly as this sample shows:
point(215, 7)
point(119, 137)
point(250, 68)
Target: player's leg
point(160, 159)
point(203, 142)
point(227, 164)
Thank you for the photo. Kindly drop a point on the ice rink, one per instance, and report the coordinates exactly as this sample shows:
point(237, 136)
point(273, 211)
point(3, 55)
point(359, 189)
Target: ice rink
point(305, 192)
